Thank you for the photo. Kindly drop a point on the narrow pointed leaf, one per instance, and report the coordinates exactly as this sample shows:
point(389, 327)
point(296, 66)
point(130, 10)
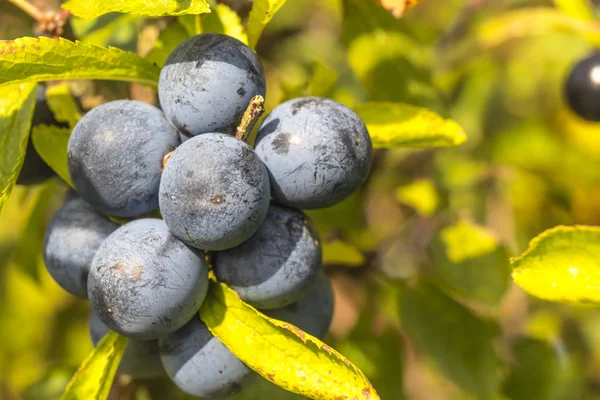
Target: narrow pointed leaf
point(63, 104)
point(51, 144)
point(16, 110)
point(93, 379)
point(280, 352)
point(561, 264)
point(45, 59)
point(260, 15)
point(401, 125)
point(154, 8)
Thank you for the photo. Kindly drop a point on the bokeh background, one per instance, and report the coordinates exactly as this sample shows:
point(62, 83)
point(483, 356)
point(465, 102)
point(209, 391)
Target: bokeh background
point(419, 258)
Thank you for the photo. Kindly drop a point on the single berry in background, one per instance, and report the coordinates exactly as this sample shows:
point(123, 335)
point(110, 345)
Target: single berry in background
point(34, 169)
point(317, 152)
point(115, 156)
point(141, 358)
point(583, 88)
point(313, 312)
point(207, 83)
point(71, 240)
point(214, 192)
point(199, 364)
point(277, 264)
point(144, 283)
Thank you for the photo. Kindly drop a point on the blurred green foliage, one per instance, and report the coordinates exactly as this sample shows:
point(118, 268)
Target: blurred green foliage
point(419, 258)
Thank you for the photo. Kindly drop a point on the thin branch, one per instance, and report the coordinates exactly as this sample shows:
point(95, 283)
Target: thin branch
point(29, 8)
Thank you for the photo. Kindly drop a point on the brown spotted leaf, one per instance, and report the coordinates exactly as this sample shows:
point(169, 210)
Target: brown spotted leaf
point(281, 352)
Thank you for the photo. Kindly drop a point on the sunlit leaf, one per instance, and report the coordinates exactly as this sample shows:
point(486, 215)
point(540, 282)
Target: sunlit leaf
point(94, 377)
point(561, 264)
point(421, 195)
point(260, 15)
point(16, 110)
point(232, 23)
point(51, 144)
point(63, 104)
point(403, 125)
point(472, 261)
point(154, 8)
point(337, 252)
point(576, 8)
point(280, 352)
point(44, 59)
point(457, 341)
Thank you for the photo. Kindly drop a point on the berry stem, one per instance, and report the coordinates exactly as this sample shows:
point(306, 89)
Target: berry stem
point(251, 115)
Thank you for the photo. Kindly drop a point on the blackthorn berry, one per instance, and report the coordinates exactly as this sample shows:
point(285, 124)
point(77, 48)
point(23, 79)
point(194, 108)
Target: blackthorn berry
point(313, 312)
point(207, 83)
point(583, 88)
point(144, 283)
point(71, 240)
point(277, 264)
point(317, 152)
point(214, 192)
point(200, 364)
point(141, 358)
point(115, 156)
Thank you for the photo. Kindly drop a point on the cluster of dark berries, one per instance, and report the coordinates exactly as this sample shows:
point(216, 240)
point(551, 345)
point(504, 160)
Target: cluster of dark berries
point(583, 88)
point(220, 200)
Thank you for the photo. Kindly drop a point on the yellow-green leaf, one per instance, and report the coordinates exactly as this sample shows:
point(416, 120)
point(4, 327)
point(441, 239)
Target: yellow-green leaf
point(51, 144)
point(63, 104)
point(561, 264)
point(232, 23)
point(280, 352)
point(421, 195)
point(260, 15)
point(167, 41)
point(576, 8)
point(471, 260)
point(403, 125)
point(16, 110)
point(322, 79)
point(93, 379)
point(154, 8)
point(45, 59)
point(337, 252)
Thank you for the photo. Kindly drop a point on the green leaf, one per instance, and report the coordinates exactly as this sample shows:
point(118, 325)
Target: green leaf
point(457, 340)
point(45, 59)
point(115, 29)
point(232, 23)
point(561, 264)
point(260, 15)
point(379, 353)
point(536, 372)
point(401, 125)
point(280, 352)
point(63, 104)
point(323, 78)
point(421, 195)
point(28, 253)
point(16, 111)
point(154, 8)
point(471, 260)
point(581, 9)
point(167, 41)
point(51, 142)
point(95, 375)
point(337, 252)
